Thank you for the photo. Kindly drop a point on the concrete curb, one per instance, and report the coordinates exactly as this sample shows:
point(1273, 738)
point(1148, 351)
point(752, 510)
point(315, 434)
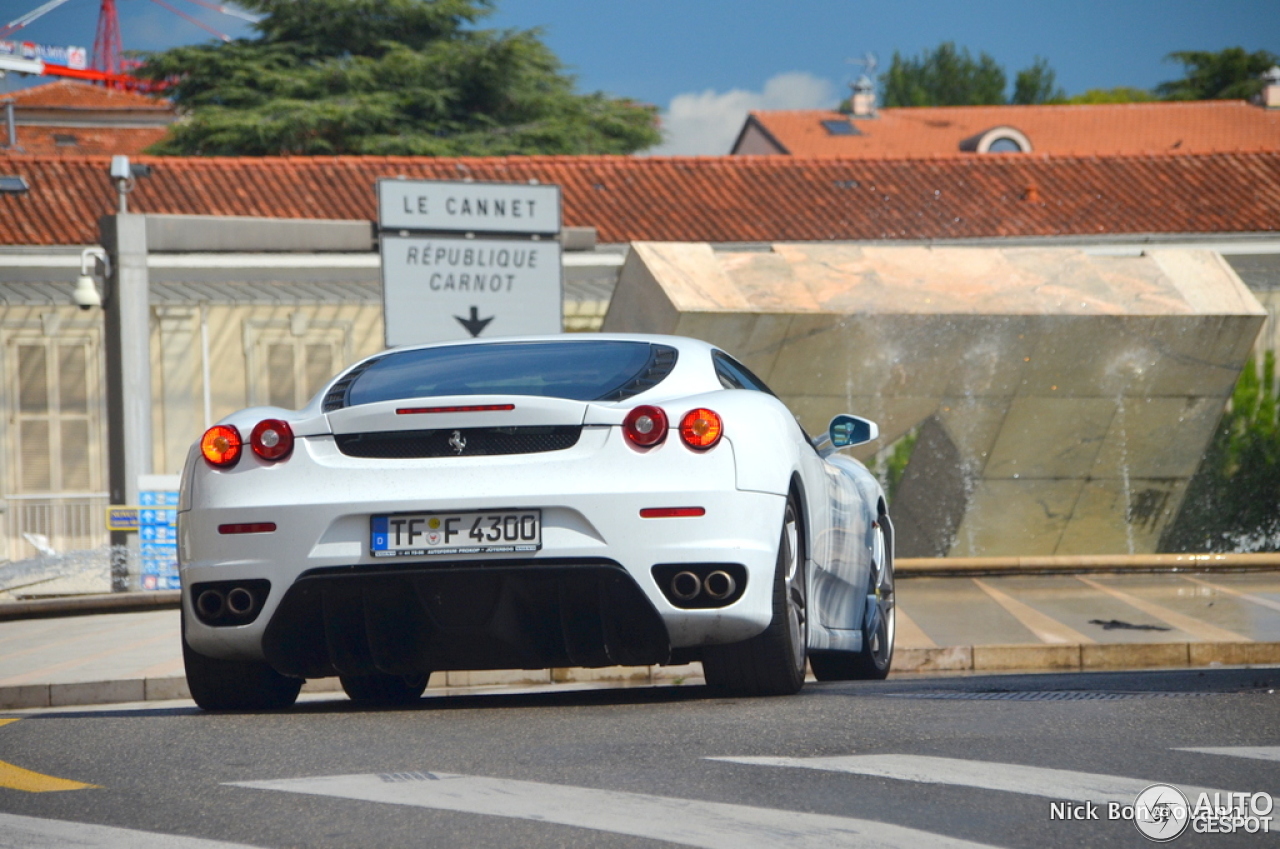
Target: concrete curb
point(964, 567)
point(993, 658)
point(906, 567)
point(87, 605)
point(1088, 657)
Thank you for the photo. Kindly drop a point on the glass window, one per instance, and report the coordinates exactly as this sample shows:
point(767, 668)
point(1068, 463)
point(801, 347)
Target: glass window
point(1004, 144)
point(52, 418)
point(734, 375)
point(581, 371)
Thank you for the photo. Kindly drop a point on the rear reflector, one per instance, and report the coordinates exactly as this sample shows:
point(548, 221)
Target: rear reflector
point(248, 528)
point(671, 512)
point(474, 408)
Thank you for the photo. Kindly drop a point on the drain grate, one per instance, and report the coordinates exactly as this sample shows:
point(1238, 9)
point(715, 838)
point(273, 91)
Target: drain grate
point(1038, 695)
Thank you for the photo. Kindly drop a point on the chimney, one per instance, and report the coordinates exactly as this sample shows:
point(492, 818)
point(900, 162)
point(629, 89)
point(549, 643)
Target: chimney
point(864, 98)
point(11, 126)
point(1271, 90)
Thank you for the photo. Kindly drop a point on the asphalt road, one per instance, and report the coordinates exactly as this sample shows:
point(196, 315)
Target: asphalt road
point(908, 762)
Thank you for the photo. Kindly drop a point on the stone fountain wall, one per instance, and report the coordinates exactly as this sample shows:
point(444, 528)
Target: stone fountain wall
point(1059, 401)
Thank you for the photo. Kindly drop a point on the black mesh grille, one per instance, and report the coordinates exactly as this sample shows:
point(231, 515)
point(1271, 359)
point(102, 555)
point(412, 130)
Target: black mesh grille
point(661, 362)
point(336, 397)
point(476, 442)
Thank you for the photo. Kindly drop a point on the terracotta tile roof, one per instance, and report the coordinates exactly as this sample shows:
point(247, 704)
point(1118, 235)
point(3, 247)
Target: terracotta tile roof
point(69, 94)
point(1210, 126)
point(86, 141)
point(722, 199)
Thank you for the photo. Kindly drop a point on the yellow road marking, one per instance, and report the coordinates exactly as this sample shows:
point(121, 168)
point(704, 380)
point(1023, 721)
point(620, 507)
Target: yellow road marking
point(1045, 627)
point(1200, 630)
point(17, 778)
point(1256, 599)
point(910, 635)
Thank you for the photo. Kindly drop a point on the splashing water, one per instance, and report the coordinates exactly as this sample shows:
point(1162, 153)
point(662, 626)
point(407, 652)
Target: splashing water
point(69, 573)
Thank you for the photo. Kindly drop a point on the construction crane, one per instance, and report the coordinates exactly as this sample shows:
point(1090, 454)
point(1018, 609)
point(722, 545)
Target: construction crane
point(108, 66)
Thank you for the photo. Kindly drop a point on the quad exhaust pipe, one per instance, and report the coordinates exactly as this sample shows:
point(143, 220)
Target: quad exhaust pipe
point(210, 604)
point(698, 586)
point(686, 586)
point(229, 602)
point(719, 585)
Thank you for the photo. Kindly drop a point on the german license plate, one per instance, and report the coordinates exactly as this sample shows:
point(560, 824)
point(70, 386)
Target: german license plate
point(476, 532)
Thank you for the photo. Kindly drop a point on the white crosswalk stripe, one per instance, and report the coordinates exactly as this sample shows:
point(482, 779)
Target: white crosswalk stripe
point(1059, 784)
point(1261, 753)
point(687, 822)
point(17, 832)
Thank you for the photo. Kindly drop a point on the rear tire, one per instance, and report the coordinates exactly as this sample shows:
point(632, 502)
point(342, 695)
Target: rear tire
point(771, 663)
point(380, 688)
point(879, 620)
point(218, 684)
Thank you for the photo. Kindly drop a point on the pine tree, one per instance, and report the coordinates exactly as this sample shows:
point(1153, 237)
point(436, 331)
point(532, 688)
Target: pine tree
point(392, 77)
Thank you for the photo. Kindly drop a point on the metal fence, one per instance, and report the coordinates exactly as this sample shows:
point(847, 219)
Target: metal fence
point(71, 522)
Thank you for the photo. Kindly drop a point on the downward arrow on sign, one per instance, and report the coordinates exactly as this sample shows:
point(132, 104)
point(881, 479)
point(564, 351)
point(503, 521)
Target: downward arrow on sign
point(475, 324)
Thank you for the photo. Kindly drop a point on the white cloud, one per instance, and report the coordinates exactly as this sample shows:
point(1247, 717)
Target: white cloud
point(706, 123)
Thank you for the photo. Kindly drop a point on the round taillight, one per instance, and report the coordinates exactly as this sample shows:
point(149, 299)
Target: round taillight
point(701, 428)
point(272, 439)
point(645, 426)
point(221, 445)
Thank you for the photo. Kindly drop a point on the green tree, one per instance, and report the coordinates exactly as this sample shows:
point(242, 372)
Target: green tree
point(1037, 84)
point(1233, 502)
point(945, 76)
point(392, 77)
point(1119, 94)
point(1230, 74)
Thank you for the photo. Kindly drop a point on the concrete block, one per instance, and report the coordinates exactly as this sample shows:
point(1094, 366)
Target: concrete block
point(1234, 654)
point(494, 677)
point(164, 689)
point(1050, 438)
point(322, 685)
point(628, 674)
point(1008, 657)
point(24, 696)
point(1157, 437)
point(1122, 516)
point(1133, 655)
point(97, 692)
point(942, 659)
point(684, 673)
point(1042, 364)
point(1024, 516)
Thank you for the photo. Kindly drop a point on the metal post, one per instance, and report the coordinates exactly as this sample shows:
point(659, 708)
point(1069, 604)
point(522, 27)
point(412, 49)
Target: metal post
point(127, 316)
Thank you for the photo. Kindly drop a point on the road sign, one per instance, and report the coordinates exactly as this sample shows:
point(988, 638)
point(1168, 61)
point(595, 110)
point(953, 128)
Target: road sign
point(461, 207)
point(122, 518)
point(442, 288)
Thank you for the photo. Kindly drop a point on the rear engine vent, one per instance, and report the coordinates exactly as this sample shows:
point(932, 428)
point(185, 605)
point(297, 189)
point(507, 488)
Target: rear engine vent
point(468, 442)
point(661, 362)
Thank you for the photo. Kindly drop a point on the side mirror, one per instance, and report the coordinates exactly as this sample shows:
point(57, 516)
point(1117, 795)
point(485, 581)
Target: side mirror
point(846, 430)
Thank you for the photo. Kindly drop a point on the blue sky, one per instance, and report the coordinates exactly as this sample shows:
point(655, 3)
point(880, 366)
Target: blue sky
point(705, 62)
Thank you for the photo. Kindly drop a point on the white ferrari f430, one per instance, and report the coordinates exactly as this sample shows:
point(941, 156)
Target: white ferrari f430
point(529, 503)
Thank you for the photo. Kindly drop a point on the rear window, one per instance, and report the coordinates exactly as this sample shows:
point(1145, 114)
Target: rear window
point(582, 371)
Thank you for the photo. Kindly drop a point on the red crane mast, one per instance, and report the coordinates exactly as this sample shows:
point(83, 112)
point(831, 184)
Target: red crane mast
point(107, 45)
